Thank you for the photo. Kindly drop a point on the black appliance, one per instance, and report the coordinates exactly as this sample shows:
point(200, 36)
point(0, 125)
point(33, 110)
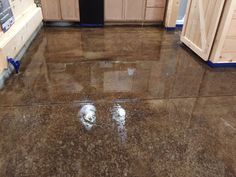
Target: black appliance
point(91, 12)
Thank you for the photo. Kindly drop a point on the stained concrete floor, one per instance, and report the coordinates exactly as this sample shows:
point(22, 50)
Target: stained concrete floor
point(180, 114)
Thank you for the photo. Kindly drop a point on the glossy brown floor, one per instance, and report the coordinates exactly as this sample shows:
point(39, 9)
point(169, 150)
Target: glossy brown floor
point(180, 114)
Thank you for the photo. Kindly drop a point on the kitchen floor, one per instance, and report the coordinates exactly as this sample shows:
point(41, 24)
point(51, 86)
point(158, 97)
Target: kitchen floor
point(157, 110)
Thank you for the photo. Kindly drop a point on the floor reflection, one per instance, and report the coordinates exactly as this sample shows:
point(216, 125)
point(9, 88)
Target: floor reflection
point(87, 116)
point(119, 101)
point(119, 118)
point(146, 63)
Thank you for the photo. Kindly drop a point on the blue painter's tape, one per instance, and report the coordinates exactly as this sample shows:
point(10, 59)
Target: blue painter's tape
point(179, 25)
point(91, 25)
point(170, 28)
point(221, 65)
point(15, 64)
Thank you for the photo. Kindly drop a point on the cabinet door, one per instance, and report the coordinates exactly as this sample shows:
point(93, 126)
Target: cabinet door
point(114, 10)
point(134, 10)
point(70, 10)
point(154, 14)
point(51, 10)
point(156, 3)
point(200, 26)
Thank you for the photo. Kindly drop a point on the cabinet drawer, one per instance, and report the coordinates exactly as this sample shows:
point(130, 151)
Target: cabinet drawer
point(156, 3)
point(154, 14)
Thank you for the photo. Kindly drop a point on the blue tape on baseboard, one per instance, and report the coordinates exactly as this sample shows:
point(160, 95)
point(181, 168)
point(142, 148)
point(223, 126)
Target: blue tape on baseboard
point(15, 63)
point(221, 65)
point(174, 28)
point(179, 25)
point(91, 25)
point(170, 28)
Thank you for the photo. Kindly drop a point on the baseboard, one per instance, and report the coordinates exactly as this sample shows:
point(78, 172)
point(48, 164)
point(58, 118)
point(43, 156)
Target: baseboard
point(221, 65)
point(7, 72)
point(170, 28)
point(61, 24)
point(106, 24)
point(177, 27)
point(133, 23)
point(91, 25)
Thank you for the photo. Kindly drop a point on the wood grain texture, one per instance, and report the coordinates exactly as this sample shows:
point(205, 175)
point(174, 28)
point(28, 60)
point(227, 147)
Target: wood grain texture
point(114, 10)
point(154, 14)
point(51, 10)
point(134, 9)
point(201, 23)
point(224, 49)
point(70, 10)
point(156, 3)
point(172, 11)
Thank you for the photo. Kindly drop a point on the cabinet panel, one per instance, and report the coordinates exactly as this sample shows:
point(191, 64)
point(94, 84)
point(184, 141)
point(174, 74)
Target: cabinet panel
point(156, 3)
point(134, 9)
point(232, 31)
point(154, 14)
point(51, 9)
point(200, 26)
point(70, 10)
point(114, 10)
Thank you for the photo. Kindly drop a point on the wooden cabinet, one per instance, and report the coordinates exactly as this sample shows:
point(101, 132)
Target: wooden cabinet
point(114, 10)
point(51, 10)
point(202, 19)
point(70, 10)
point(155, 10)
point(124, 10)
point(156, 3)
point(210, 30)
point(57, 10)
point(154, 14)
point(134, 10)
